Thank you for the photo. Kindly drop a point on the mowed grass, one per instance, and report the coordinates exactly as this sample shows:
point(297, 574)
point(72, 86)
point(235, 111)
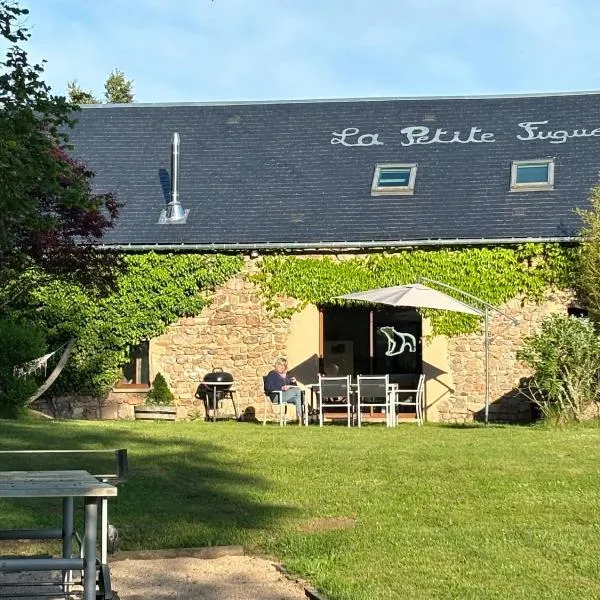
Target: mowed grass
point(364, 514)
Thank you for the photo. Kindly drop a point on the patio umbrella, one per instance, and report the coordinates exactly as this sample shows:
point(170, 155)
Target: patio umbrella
point(415, 294)
point(421, 296)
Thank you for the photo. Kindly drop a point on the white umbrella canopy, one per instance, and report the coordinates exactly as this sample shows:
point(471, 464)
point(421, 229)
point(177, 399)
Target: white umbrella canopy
point(415, 294)
point(421, 296)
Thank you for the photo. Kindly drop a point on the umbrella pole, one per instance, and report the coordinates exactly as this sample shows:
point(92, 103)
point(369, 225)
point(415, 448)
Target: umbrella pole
point(486, 337)
point(486, 343)
point(371, 343)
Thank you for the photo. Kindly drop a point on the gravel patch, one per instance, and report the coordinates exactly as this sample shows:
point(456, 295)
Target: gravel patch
point(183, 578)
point(225, 578)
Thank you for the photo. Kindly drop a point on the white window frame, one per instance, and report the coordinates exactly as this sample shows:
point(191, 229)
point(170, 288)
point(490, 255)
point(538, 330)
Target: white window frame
point(377, 190)
point(547, 185)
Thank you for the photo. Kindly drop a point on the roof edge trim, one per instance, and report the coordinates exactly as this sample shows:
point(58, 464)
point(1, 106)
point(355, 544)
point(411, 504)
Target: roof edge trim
point(348, 246)
point(333, 100)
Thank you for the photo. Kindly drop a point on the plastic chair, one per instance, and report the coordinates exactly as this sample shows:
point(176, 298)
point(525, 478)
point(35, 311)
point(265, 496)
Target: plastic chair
point(408, 397)
point(374, 391)
point(275, 397)
point(335, 391)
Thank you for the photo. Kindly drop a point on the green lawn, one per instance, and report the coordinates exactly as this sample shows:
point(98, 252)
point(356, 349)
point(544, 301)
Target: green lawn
point(437, 512)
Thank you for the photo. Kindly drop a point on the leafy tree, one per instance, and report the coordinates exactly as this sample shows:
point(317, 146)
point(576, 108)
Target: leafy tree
point(117, 88)
point(152, 292)
point(48, 213)
point(79, 96)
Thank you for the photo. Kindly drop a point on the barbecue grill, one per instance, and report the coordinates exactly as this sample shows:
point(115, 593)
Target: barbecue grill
point(215, 386)
point(223, 380)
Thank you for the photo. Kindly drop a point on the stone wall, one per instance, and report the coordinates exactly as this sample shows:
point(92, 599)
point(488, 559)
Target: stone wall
point(236, 334)
point(70, 407)
point(117, 405)
point(466, 358)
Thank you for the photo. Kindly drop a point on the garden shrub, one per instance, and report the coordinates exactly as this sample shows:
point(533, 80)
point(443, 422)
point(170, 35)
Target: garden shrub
point(160, 394)
point(565, 358)
point(19, 343)
point(14, 392)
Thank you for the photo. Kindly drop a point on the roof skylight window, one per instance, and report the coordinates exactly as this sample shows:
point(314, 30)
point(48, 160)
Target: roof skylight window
point(393, 179)
point(532, 175)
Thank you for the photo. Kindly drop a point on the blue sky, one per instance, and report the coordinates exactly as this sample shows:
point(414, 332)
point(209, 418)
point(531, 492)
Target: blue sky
point(225, 50)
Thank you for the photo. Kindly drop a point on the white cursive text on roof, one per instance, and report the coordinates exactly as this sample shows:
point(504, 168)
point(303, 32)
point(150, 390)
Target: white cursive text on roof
point(348, 138)
point(423, 135)
point(559, 136)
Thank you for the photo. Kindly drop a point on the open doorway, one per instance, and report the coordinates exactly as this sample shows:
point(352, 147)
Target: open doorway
point(379, 340)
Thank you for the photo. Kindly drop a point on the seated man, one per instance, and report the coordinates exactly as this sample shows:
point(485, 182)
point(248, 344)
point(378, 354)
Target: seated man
point(277, 380)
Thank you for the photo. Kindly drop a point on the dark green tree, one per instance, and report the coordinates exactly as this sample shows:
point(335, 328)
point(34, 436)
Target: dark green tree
point(49, 217)
point(20, 342)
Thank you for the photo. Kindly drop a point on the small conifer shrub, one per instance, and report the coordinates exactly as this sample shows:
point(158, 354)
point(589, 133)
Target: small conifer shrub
point(160, 394)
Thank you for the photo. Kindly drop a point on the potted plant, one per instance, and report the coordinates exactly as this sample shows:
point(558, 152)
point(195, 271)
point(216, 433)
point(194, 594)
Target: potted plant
point(159, 402)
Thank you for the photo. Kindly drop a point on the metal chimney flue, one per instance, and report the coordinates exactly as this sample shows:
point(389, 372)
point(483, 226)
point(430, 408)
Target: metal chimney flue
point(175, 211)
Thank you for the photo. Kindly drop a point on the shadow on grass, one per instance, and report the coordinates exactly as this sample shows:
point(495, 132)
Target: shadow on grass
point(210, 498)
point(476, 425)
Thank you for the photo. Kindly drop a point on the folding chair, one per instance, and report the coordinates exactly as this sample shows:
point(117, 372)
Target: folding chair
point(374, 391)
point(276, 399)
point(412, 396)
point(335, 392)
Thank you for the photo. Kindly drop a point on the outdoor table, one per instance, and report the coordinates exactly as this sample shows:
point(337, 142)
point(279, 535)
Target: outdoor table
point(314, 392)
point(66, 485)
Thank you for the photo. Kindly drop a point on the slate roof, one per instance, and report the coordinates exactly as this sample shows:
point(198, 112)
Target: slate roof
point(257, 175)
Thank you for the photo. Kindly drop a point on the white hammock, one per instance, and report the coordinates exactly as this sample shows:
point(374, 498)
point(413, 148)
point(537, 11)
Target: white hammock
point(56, 371)
point(41, 363)
point(35, 365)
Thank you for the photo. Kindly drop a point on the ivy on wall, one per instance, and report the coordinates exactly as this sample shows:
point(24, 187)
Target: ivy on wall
point(154, 291)
point(494, 274)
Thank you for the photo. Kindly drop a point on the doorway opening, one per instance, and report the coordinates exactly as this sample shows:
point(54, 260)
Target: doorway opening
point(371, 341)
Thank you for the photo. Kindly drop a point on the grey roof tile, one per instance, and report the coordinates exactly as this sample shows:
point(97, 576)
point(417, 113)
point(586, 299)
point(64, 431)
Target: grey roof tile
point(268, 173)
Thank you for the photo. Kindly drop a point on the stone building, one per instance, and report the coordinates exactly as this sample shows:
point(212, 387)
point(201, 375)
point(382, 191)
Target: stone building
point(339, 178)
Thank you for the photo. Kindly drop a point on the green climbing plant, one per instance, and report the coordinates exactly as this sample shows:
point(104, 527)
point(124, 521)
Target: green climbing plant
point(495, 274)
point(153, 292)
